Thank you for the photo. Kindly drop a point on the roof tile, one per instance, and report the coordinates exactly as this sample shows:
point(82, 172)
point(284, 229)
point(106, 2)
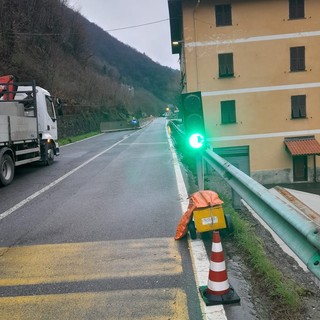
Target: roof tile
point(300, 147)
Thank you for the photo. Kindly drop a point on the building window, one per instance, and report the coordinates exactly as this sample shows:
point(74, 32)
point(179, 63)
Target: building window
point(298, 107)
point(296, 9)
point(297, 59)
point(223, 15)
point(228, 111)
point(226, 65)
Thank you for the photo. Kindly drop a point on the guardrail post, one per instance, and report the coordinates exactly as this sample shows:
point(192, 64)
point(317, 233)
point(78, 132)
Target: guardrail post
point(200, 170)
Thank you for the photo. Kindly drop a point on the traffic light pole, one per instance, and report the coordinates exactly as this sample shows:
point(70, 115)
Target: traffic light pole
point(194, 127)
point(200, 170)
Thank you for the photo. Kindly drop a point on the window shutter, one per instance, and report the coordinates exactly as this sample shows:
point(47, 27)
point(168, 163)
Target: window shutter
point(302, 106)
point(229, 64)
point(228, 16)
point(228, 111)
point(232, 113)
point(223, 15)
point(226, 64)
point(301, 58)
point(222, 65)
point(296, 9)
point(293, 59)
point(297, 59)
point(300, 8)
point(219, 15)
point(295, 111)
point(298, 106)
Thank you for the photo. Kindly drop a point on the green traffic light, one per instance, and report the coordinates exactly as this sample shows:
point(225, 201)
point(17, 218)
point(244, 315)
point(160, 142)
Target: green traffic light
point(196, 140)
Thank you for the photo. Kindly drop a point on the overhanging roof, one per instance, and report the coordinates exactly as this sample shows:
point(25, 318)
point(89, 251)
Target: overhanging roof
point(302, 146)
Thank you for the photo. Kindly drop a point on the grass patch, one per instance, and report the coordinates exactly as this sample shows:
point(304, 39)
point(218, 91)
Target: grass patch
point(283, 291)
point(72, 139)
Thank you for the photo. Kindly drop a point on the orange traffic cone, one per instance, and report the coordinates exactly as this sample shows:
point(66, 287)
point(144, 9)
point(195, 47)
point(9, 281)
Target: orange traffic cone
point(218, 290)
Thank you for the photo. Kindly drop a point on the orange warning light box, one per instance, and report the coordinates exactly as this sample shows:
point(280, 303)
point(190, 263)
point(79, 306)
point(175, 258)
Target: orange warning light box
point(210, 218)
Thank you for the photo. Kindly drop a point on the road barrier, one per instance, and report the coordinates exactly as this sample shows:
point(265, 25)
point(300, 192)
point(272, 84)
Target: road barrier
point(301, 235)
point(218, 290)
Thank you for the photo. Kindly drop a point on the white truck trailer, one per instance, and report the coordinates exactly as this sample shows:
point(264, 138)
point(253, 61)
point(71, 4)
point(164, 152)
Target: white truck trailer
point(28, 126)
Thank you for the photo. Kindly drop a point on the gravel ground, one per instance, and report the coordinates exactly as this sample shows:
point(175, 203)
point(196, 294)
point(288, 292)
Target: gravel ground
point(267, 307)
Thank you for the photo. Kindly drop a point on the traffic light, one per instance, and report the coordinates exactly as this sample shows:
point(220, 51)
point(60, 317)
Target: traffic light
point(193, 119)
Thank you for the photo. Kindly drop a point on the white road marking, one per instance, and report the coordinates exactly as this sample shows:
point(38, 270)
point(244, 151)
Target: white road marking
point(52, 184)
point(197, 250)
point(144, 143)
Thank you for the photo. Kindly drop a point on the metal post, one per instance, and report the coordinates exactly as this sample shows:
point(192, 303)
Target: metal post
point(200, 171)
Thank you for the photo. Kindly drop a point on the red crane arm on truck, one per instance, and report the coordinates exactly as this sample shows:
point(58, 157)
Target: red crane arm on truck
point(7, 87)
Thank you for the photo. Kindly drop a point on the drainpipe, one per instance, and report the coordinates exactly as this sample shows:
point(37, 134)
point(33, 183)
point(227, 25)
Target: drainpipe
point(314, 168)
point(195, 40)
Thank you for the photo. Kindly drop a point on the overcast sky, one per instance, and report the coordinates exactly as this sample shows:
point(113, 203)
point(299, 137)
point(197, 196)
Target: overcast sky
point(153, 38)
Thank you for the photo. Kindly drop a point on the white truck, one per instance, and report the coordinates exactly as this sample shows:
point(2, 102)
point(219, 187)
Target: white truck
point(28, 126)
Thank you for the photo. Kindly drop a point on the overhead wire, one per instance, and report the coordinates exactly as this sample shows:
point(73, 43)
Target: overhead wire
point(108, 30)
point(138, 25)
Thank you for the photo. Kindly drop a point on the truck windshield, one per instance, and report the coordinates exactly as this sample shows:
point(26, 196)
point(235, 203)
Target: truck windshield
point(50, 107)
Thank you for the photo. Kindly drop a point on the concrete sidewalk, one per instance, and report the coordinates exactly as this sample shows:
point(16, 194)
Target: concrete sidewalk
point(310, 199)
point(309, 187)
point(307, 193)
point(307, 204)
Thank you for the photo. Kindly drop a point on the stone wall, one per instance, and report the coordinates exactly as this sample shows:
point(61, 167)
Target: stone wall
point(114, 125)
point(77, 124)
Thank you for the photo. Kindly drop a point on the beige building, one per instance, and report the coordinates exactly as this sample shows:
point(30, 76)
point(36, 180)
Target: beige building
point(257, 65)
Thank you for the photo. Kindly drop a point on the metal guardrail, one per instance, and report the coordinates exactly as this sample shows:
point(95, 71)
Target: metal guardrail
point(301, 235)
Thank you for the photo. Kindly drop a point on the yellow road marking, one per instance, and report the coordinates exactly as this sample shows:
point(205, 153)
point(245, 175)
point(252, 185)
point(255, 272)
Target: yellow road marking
point(151, 304)
point(69, 262)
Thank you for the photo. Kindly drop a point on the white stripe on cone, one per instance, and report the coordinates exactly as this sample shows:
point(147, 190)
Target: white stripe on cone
point(218, 286)
point(217, 266)
point(216, 247)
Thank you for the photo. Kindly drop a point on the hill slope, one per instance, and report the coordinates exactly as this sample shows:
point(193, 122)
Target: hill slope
point(75, 59)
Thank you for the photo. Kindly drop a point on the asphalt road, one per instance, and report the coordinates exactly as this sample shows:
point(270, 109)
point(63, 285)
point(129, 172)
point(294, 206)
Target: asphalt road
point(91, 237)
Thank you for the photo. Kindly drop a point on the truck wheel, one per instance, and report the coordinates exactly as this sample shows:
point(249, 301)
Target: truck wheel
point(6, 170)
point(50, 154)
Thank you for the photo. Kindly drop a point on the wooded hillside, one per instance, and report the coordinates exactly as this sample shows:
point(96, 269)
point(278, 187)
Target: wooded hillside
point(74, 59)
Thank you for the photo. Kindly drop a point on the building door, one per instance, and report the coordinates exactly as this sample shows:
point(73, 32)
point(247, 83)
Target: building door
point(300, 168)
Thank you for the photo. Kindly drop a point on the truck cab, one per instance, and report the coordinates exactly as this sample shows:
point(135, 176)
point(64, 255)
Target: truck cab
point(28, 124)
point(44, 110)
